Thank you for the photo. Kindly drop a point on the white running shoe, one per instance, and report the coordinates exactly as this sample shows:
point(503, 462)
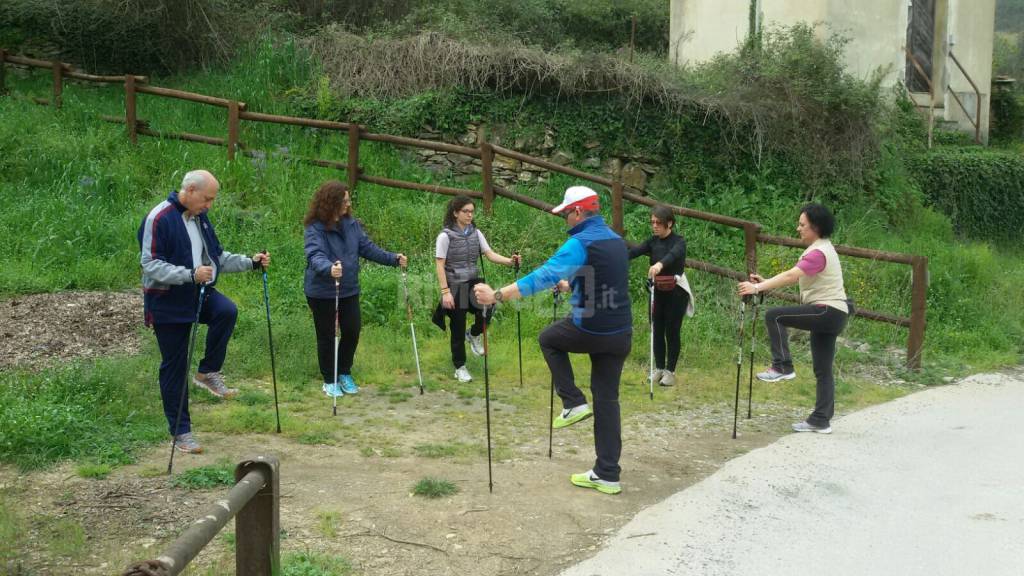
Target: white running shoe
point(476, 343)
point(463, 375)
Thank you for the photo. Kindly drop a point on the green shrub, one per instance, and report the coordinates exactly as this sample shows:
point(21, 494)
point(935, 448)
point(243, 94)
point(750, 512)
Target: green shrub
point(981, 190)
point(434, 488)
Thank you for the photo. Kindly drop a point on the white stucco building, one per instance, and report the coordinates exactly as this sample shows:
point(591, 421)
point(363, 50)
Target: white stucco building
point(881, 32)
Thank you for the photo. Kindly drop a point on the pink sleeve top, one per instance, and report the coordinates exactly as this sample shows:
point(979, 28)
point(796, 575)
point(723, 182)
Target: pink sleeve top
point(812, 263)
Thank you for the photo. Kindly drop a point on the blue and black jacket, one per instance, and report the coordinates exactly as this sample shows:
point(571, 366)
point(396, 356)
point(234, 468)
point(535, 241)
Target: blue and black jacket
point(595, 261)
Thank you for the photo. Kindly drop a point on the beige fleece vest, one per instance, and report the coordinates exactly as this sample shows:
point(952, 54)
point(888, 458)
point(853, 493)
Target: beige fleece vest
point(825, 287)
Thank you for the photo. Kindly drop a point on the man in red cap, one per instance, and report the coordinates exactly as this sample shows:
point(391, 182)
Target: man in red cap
point(593, 263)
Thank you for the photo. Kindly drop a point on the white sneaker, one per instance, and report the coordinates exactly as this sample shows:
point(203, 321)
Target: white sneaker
point(476, 343)
point(657, 375)
point(808, 427)
point(463, 375)
point(668, 378)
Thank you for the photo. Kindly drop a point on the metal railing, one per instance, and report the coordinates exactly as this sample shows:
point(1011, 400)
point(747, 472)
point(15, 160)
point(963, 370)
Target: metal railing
point(976, 121)
point(254, 502)
point(486, 152)
point(931, 93)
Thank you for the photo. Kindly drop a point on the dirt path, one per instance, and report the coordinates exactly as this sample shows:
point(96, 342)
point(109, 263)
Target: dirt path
point(337, 500)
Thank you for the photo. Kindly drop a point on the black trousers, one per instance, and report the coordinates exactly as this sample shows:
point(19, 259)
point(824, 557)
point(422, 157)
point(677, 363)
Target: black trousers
point(825, 324)
point(607, 356)
point(463, 307)
point(350, 323)
point(669, 310)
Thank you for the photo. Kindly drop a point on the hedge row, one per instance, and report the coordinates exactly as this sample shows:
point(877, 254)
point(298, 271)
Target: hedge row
point(982, 190)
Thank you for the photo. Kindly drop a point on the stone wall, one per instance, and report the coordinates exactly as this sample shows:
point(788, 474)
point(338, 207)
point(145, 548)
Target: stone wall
point(636, 170)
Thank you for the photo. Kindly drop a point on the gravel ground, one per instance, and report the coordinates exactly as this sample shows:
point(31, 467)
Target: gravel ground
point(38, 329)
point(931, 484)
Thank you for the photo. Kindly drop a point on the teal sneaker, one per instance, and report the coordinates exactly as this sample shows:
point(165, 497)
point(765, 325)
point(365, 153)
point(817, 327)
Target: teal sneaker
point(332, 390)
point(572, 416)
point(348, 385)
point(590, 480)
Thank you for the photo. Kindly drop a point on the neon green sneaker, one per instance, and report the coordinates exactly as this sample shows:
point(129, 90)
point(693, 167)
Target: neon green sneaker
point(572, 415)
point(590, 480)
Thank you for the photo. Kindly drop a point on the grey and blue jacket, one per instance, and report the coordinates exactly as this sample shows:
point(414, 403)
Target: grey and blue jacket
point(595, 261)
point(169, 293)
point(345, 241)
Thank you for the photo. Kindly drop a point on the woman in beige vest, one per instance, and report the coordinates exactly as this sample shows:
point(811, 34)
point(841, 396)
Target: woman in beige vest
point(823, 311)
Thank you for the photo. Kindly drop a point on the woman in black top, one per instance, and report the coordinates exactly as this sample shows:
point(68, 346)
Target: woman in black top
point(667, 251)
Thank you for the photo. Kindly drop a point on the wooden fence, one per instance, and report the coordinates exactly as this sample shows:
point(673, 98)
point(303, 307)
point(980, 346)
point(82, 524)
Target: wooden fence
point(237, 111)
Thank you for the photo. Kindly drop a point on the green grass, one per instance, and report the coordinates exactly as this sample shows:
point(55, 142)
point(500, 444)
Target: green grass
point(98, 471)
point(13, 529)
point(206, 477)
point(328, 522)
point(314, 564)
point(434, 488)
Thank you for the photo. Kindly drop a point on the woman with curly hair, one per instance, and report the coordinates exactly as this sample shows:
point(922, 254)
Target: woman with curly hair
point(334, 242)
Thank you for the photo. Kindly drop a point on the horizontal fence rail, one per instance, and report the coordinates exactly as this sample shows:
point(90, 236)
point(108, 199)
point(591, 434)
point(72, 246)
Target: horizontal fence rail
point(485, 152)
point(254, 503)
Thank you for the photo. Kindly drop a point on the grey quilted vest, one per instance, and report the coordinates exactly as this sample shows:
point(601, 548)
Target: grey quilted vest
point(463, 252)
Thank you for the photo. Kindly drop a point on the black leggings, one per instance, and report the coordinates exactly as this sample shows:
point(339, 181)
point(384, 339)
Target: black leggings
point(350, 323)
point(825, 324)
point(669, 309)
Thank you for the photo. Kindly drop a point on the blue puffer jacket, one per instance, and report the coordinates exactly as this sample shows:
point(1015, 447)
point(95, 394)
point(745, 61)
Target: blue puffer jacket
point(344, 241)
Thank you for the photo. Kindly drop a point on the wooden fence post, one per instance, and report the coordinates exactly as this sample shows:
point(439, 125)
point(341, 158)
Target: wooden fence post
point(232, 129)
point(3, 71)
point(486, 172)
point(750, 232)
point(617, 224)
point(353, 156)
point(130, 121)
point(918, 303)
point(58, 83)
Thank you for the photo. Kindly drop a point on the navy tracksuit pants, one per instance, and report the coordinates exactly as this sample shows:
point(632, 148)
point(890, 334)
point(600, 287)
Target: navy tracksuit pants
point(219, 314)
point(607, 356)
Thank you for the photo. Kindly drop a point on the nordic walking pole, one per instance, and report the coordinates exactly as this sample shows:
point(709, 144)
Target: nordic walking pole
point(337, 338)
point(650, 313)
point(412, 327)
point(753, 336)
point(519, 321)
point(188, 369)
point(487, 404)
point(739, 363)
point(270, 338)
point(551, 410)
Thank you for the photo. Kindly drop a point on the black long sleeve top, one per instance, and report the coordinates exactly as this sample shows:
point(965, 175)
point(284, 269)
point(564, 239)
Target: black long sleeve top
point(670, 251)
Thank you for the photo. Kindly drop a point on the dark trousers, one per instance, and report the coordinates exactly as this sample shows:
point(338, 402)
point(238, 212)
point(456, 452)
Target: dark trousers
point(607, 355)
point(219, 314)
point(825, 324)
point(458, 332)
point(669, 310)
point(350, 323)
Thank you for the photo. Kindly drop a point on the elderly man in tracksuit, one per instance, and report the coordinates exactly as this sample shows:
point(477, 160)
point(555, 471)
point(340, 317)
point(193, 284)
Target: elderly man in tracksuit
point(594, 262)
point(179, 252)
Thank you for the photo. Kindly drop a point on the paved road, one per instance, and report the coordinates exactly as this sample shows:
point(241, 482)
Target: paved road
point(931, 484)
